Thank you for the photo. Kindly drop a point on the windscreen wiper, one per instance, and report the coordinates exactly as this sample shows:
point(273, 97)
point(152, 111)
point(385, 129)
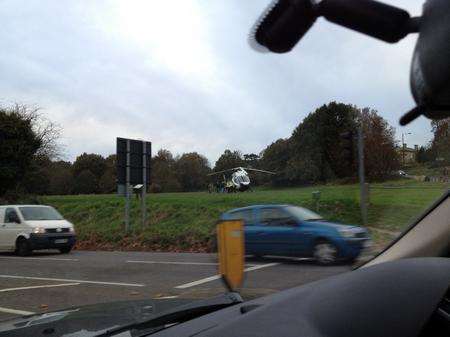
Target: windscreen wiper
point(178, 315)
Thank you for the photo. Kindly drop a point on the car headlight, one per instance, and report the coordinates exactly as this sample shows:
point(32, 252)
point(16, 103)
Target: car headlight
point(347, 233)
point(72, 230)
point(38, 230)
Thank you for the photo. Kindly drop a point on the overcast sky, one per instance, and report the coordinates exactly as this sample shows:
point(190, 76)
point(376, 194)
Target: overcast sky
point(181, 73)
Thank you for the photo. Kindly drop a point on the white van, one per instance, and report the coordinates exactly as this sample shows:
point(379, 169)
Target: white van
point(24, 228)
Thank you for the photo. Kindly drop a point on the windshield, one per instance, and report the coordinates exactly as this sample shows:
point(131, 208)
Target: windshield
point(145, 124)
point(303, 214)
point(40, 213)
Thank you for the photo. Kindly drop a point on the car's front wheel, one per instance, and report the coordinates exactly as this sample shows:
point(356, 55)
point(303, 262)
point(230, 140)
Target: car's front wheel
point(325, 253)
point(22, 247)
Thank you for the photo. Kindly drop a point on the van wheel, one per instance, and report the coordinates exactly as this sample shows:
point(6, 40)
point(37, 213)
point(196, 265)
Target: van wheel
point(325, 253)
point(23, 247)
point(65, 250)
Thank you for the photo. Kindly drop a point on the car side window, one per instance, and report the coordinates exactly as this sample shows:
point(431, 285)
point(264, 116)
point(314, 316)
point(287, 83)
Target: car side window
point(246, 215)
point(11, 216)
point(276, 217)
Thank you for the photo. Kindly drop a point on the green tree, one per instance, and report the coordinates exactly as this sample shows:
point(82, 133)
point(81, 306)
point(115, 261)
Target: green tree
point(62, 181)
point(37, 178)
point(441, 140)
point(85, 183)
point(191, 170)
point(275, 157)
point(18, 145)
point(163, 172)
point(92, 162)
point(380, 156)
point(426, 154)
point(229, 159)
point(316, 146)
point(251, 160)
point(108, 181)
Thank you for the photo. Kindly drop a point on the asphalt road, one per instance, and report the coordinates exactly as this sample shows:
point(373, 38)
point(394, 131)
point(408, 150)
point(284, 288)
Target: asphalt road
point(50, 281)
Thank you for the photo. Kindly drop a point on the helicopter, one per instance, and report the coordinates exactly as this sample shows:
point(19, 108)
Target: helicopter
point(239, 181)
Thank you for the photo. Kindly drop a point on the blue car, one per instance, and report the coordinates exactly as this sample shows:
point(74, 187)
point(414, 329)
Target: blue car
point(286, 230)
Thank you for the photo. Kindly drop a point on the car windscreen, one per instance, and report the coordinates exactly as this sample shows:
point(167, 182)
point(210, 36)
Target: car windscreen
point(40, 213)
point(303, 213)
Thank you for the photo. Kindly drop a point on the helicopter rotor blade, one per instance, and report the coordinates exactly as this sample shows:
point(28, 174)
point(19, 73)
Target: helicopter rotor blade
point(257, 170)
point(223, 171)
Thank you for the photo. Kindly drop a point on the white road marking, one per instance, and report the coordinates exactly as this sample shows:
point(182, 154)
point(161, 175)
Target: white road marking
point(38, 258)
point(175, 262)
point(37, 287)
point(196, 283)
point(76, 281)
point(261, 266)
point(180, 263)
point(15, 312)
point(165, 297)
point(216, 277)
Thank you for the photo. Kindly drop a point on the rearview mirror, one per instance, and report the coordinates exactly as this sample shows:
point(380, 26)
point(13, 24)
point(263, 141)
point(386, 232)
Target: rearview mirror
point(430, 67)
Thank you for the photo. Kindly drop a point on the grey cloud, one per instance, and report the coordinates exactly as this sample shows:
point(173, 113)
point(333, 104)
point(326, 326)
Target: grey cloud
point(98, 85)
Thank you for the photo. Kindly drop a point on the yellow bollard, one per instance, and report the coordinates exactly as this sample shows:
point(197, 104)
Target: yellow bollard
point(230, 239)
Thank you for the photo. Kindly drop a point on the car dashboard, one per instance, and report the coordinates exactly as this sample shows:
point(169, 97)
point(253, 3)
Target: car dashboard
point(408, 297)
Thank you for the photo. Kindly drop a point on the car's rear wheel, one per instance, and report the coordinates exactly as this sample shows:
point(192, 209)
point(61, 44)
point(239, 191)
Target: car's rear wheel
point(325, 253)
point(23, 247)
point(65, 250)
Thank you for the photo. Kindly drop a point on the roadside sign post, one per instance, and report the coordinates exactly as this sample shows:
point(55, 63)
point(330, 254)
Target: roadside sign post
point(144, 182)
point(362, 183)
point(133, 173)
point(127, 190)
point(230, 239)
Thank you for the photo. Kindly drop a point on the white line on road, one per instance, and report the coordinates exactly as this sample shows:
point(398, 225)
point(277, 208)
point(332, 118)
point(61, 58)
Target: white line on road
point(42, 286)
point(175, 262)
point(38, 258)
point(261, 266)
point(165, 297)
point(216, 277)
point(77, 281)
point(196, 283)
point(15, 312)
point(180, 263)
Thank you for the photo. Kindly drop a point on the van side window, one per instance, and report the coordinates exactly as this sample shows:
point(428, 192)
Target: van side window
point(246, 215)
point(11, 215)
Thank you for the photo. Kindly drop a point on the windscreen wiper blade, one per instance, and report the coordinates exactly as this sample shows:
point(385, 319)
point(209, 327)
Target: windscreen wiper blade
point(179, 314)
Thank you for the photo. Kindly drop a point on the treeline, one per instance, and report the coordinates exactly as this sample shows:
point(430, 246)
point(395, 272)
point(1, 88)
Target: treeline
point(314, 153)
point(437, 152)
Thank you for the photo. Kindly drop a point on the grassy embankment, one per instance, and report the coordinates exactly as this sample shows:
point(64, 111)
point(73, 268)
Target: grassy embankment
point(185, 221)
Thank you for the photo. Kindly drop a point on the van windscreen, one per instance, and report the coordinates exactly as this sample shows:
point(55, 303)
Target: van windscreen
point(40, 213)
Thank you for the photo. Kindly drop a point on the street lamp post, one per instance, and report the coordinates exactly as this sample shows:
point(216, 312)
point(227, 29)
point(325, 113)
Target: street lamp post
point(403, 146)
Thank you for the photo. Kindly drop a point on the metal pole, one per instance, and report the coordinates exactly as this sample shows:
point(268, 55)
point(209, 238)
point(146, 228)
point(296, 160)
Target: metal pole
point(144, 183)
point(362, 187)
point(127, 190)
point(403, 149)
